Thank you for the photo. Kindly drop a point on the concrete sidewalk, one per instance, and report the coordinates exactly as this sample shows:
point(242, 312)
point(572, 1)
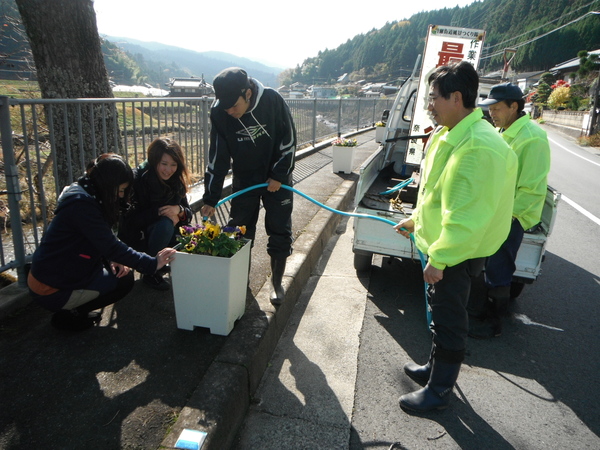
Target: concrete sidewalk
point(307, 393)
point(220, 403)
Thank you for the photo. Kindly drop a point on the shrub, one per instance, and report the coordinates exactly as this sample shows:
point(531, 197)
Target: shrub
point(559, 97)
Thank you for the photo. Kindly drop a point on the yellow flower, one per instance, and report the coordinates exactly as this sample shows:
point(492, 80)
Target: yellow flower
point(212, 230)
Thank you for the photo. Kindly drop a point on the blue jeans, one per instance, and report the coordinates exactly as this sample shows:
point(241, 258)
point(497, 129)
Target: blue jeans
point(159, 235)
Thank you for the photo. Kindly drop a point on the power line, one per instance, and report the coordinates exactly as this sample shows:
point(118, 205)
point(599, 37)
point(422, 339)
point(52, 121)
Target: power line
point(542, 35)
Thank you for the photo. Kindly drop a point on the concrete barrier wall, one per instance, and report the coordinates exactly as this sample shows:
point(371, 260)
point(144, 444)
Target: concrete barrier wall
point(574, 119)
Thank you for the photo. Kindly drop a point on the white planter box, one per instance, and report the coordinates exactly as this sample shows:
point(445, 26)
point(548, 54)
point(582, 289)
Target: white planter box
point(210, 291)
point(379, 134)
point(343, 159)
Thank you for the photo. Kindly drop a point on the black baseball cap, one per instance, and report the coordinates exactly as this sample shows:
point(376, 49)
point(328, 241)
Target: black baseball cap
point(503, 91)
point(229, 85)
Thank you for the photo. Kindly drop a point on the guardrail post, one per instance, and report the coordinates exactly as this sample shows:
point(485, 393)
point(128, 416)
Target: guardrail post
point(374, 108)
point(314, 123)
point(205, 132)
point(13, 189)
point(339, 121)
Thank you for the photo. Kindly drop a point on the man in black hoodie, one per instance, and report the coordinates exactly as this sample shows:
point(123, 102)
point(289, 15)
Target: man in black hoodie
point(253, 133)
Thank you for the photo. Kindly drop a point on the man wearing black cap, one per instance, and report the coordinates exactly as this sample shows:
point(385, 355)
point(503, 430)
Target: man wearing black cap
point(530, 143)
point(253, 133)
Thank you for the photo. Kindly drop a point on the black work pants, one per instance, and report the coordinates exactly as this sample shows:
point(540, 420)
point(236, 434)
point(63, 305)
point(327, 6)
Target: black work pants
point(448, 301)
point(278, 218)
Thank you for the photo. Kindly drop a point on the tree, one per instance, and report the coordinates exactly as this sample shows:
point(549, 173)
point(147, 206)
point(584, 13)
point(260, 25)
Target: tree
point(588, 63)
point(66, 49)
point(543, 92)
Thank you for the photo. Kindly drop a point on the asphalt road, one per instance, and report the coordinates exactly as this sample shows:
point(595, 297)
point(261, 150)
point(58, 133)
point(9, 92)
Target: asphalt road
point(537, 385)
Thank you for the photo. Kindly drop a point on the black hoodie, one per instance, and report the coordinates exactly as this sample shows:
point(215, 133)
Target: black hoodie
point(261, 144)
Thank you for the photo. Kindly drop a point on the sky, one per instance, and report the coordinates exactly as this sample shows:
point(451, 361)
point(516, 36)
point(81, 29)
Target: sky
point(273, 32)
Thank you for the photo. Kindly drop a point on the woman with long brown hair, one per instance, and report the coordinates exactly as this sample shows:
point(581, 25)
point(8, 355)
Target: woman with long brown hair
point(159, 203)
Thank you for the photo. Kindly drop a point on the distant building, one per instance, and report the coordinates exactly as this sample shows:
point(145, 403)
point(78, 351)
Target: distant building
point(375, 90)
point(284, 91)
point(563, 70)
point(298, 87)
point(189, 87)
point(322, 92)
point(525, 80)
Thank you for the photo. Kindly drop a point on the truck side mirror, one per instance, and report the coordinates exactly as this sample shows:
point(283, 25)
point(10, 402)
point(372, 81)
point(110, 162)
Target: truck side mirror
point(385, 115)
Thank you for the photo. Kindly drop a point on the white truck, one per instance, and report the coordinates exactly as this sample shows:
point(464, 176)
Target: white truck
point(396, 161)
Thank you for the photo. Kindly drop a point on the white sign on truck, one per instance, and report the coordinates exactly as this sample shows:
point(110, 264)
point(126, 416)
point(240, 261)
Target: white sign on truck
point(444, 45)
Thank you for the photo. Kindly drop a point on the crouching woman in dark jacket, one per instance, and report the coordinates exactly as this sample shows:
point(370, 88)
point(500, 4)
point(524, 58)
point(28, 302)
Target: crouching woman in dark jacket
point(159, 203)
point(80, 265)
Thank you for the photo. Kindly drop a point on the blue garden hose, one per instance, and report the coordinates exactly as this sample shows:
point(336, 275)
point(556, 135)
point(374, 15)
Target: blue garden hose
point(343, 213)
point(398, 187)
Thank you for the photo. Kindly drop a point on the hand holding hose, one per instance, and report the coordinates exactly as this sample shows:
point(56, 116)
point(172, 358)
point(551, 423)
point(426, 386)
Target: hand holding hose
point(405, 227)
point(207, 211)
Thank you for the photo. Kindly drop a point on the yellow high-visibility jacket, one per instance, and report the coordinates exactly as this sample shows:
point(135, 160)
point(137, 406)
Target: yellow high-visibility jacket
point(530, 143)
point(466, 196)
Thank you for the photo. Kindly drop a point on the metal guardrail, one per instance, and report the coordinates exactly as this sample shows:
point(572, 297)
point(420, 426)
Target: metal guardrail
point(39, 135)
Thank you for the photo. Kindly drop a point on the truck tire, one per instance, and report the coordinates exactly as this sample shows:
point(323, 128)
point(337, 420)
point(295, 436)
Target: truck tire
point(362, 261)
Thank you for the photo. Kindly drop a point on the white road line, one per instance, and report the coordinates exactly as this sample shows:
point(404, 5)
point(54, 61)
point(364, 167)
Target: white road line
point(527, 321)
point(579, 208)
point(572, 152)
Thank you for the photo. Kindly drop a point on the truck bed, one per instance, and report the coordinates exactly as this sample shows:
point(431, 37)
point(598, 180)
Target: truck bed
point(373, 236)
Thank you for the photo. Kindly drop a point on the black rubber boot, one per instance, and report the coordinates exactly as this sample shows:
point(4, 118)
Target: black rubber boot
point(500, 298)
point(277, 271)
point(417, 373)
point(489, 325)
point(436, 394)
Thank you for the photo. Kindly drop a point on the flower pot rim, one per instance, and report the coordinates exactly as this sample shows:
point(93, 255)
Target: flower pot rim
point(217, 256)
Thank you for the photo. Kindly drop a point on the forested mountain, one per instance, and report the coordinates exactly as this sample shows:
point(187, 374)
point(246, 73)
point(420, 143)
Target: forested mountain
point(389, 53)
point(159, 62)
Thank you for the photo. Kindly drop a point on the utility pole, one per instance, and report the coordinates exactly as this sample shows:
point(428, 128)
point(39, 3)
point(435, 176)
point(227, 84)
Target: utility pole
point(595, 108)
point(507, 60)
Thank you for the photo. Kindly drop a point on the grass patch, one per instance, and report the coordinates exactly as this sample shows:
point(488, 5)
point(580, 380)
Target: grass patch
point(20, 89)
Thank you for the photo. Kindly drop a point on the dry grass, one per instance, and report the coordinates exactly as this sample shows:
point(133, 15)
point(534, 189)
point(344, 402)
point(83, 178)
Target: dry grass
point(590, 141)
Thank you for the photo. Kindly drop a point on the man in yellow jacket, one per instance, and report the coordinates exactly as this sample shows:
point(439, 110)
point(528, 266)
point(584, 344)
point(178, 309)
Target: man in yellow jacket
point(462, 216)
point(530, 143)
